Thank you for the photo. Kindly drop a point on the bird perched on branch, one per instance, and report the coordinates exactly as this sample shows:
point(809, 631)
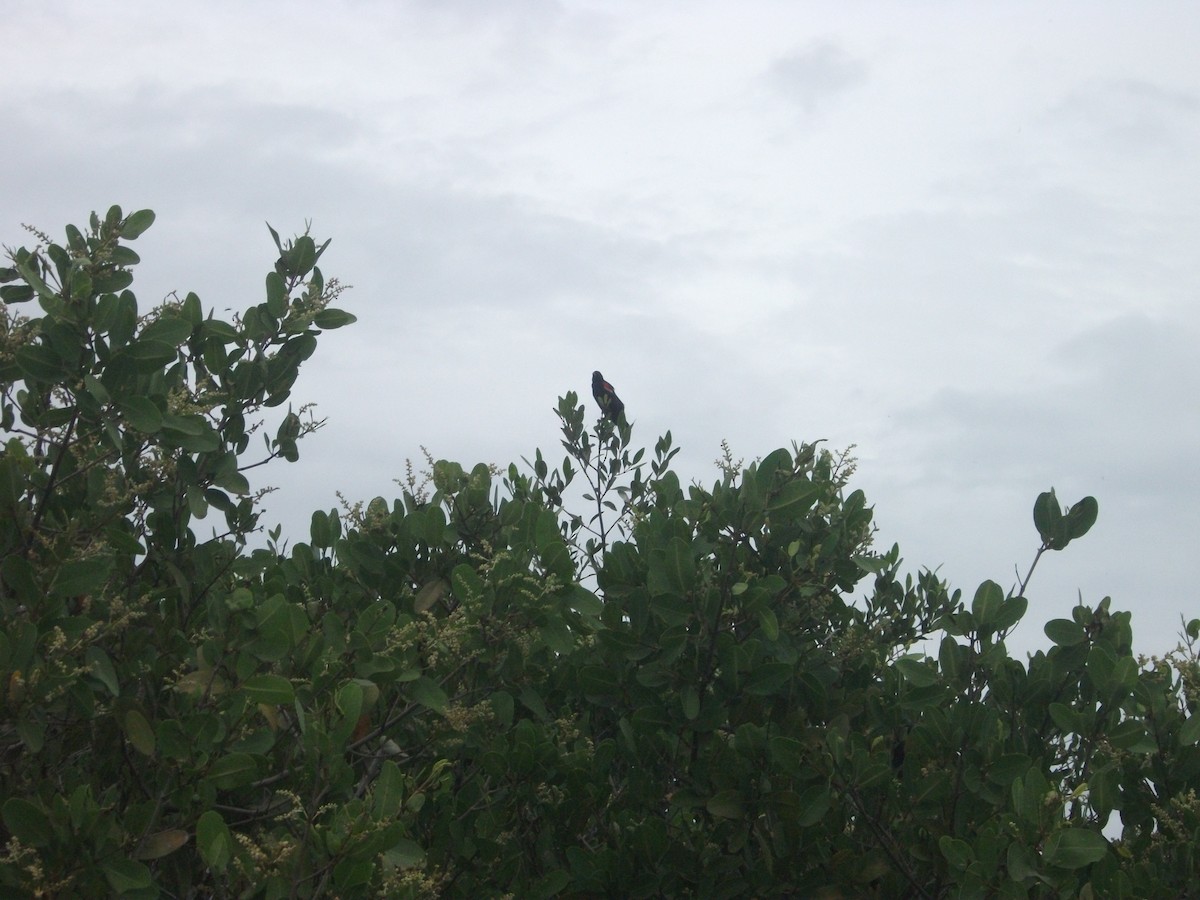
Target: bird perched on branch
point(606, 397)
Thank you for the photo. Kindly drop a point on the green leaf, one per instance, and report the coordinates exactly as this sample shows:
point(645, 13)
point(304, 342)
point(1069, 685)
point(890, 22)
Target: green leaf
point(1021, 863)
point(192, 310)
point(795, 497)
point(1074, 848)
point(96, 388)
point(136, 224)
point(429, 693)
point(82, 576)
point(1189, 732)
point(102, 669)
point(27, 822)
point(466, 583)
point(17, 293)
point(191, 425)
point(319, 531)
point(430, 594)
point(671, 570)
point(769, 678)
point(161, 844)
point(726, 805)
point(220, 331)
point(350, 700)
point(197, 502)
point(40, 363)
point(208, 442)
point(19, 578)
point(1131, 735)
point(233, 770)
point(958, 853)
point(126, 875)
point(1066, 718)
point(917, 671)
point(769, 623)
point(274, 690)
point(214, 840)
point(230, 479)
point(149, 355)
point(1011, 612)
point(404, 855)
point(172, 330)
point(1081, 517)
point(986, 606)
point(1064, 632)
point(388, 792)
point(1047, 516)
point(139, 732)
point(691, 703)
point(585, 602)
point(141, 414)
point(330, 319)
point(813, 804)
point(277, 296)
point(557, 636)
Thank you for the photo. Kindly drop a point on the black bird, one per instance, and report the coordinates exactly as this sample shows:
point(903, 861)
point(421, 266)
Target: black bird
point(606, 397)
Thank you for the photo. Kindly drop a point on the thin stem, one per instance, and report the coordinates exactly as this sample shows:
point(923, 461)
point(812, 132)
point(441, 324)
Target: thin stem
point(1025, 582)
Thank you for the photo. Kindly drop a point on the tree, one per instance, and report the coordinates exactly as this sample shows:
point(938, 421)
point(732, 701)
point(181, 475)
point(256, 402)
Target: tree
point(482, 687)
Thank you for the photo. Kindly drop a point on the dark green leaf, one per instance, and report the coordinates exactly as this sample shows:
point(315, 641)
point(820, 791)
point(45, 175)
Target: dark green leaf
point(141, 414)
point(233, 770)
point(1081, 517)
point(172, 330)
point(769, 678)
point(40, 362)
point(148, 355)
point(1047, 516)
point(102, 669)
point(16, 293)
point(126, 875)
point(958, 853)
point(1189, 732)
point(388, 792)
point(726, 805)
point(82, 576)
point(161, 844)
point(27, 822)
point(1064, 632)
point(136, 224)
point(986, 606)
point(404, 855)
point(277, 296)
point(139, 732)
point(917, 671)
point(274, 690)
point(214, 840)
point(1067, 719)
point(330, 319)
point(769, 623)
point(429, 693)
point(1074, 848)
point(795, 497)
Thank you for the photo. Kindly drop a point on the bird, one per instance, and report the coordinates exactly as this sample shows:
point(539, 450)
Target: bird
point(610, 404)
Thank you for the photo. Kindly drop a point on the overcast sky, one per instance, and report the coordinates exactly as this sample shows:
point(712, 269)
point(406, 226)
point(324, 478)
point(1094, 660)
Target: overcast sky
point(962, 237)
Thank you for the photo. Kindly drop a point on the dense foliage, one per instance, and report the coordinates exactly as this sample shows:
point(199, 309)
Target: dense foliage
point(580, 680)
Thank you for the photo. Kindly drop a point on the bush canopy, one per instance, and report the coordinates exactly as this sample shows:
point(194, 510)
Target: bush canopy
point(582, 679)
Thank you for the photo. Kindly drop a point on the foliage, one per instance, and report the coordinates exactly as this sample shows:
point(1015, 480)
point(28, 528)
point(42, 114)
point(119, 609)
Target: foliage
point(479, 689)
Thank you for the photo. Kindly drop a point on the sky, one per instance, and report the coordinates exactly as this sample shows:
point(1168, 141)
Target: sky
point(960, 237)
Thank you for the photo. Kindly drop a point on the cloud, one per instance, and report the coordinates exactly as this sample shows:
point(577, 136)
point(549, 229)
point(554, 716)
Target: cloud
point(1129, 115)
point(816, 72)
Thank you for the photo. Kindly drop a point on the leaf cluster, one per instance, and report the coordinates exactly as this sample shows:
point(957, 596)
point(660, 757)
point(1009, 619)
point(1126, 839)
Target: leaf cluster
point(582, 680)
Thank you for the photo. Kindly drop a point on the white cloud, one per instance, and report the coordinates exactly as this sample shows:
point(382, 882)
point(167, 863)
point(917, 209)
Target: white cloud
point(960, 238)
